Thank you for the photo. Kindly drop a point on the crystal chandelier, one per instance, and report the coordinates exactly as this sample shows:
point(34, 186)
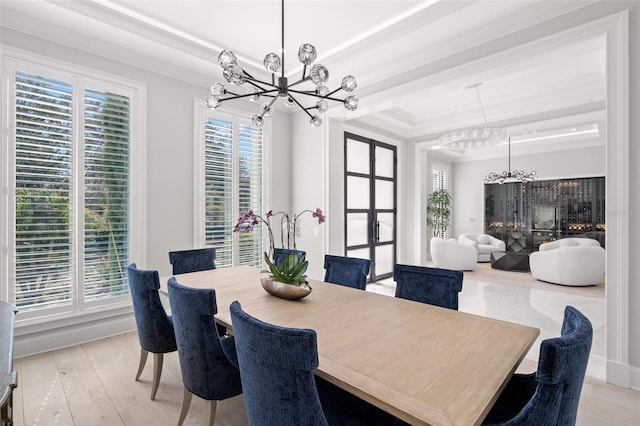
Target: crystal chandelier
point(473, 137)
point(510, 176)
point(318, 75)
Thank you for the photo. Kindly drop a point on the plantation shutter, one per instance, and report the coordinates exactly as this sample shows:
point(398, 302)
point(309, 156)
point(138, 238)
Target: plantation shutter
point(233, 185)
point(218, 175)
point(106, 193)
point(439, 181)
point(250, 192)
point(43, 191)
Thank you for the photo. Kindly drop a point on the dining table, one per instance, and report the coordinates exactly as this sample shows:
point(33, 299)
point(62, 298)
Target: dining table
point(424, 364)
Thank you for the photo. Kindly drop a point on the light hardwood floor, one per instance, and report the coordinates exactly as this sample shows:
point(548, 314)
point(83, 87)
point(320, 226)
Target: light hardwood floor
point(93, 384)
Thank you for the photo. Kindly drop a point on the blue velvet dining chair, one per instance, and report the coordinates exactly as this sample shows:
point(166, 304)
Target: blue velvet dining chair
point(346, 271)
point(276, 366)
point(280, 254)
point(435, 286)
point(155, 327)
point(550, 396)
point(196, 260)
point(208, 363)
point(184, 261)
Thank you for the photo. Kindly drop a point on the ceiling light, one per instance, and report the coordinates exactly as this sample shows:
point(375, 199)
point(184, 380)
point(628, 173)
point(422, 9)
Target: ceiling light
point(510, 176)
point(592, 130)
point(318, 74)
point(473, 137)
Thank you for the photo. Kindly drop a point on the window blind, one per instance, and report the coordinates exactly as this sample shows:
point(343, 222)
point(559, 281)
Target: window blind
point(250, 192)
point(71, 231)
point(106, 193)
point(218, 176)
point(43, 191)
point(233, 185)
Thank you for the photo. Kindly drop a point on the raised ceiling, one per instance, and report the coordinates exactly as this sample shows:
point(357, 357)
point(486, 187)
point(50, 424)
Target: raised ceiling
point(385, 44)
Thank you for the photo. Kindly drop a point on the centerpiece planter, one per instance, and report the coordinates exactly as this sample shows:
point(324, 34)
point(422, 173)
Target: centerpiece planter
point(285, 291)
point(286, 277)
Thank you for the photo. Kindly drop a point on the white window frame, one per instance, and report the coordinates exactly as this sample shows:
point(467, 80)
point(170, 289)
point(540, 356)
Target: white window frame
point(236, 116)
point(13, 59)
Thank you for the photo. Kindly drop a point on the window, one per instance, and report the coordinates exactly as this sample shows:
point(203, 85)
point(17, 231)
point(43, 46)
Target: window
point(439, 178)
point(231, 183)
point(68, 229)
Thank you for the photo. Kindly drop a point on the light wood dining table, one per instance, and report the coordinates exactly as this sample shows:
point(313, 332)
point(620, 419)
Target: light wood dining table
point(424, 364)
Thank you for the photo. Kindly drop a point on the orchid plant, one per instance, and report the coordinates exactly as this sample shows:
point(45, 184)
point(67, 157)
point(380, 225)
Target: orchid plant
point(292, 270)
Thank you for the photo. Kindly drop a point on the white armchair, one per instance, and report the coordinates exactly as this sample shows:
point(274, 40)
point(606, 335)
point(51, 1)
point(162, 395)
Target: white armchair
point(569, 261)
point(483, 243)
point(450, 254)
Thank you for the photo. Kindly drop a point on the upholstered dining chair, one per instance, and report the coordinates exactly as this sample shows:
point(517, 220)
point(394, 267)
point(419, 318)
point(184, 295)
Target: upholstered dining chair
point(184, 261)
point(276, 366)
point(155, 327)
point(435, 286)
point(208, 363)
point(280, 254)
point(346, 271)
point(550, 396)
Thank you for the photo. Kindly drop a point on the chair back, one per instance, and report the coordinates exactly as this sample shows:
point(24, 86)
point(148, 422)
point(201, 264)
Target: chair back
point(346, 271)
point(276, 366)
point(280, 254)
point(208, 364)
point(561, 370)
point(435, 286)
point(155, 327)
point(195, 260)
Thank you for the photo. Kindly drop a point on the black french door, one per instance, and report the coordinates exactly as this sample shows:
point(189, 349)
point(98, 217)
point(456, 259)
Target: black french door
point(370, 203)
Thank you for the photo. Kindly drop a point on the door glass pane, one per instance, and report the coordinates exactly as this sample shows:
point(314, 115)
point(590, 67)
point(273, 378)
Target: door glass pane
point(384, 259)
point(385, 227)
point(357, 229)
point(384, 194)
point(357, 192)
point(359, 253)
point(384, 162)
point(357, 156)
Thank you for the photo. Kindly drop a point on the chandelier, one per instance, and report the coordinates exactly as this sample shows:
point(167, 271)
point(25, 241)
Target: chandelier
point(318, 75)
point(510, 176)
point(472, 137)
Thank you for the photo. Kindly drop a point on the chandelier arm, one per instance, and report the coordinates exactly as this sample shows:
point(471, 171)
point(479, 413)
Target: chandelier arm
point(331, 93)
point(251, 79)
point(300, 105)
point(236, 96)
point(302, 80)
point(316, 95)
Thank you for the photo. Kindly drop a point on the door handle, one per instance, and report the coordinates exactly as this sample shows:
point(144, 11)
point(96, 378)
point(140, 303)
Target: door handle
point(377, 231)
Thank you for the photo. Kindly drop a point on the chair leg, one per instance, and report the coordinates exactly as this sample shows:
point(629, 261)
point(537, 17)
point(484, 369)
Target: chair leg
point(157, 372)
point(143, 361)
point(186, 402)
point(211, 412)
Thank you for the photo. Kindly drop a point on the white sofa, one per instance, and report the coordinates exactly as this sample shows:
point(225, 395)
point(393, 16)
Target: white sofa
point(450, 254)
point(483, 243)
point(569, 261)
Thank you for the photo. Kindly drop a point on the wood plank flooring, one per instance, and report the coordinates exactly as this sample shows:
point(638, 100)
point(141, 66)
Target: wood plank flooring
point(93, 384)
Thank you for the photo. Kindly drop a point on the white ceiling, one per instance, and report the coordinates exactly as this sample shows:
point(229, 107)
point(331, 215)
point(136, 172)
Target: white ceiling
point(389, 46)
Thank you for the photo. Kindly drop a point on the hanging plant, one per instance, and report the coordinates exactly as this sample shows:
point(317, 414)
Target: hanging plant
point(439, 212)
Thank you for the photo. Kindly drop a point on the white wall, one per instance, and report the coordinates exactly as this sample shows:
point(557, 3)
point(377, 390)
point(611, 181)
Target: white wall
point(468, 185)
point(170, 179)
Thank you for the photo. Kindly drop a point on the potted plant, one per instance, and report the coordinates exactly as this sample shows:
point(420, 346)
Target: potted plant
point(439, 212)
point(292, 270)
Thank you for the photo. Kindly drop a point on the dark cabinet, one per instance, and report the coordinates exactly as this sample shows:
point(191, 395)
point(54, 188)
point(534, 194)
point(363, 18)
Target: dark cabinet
point(525, 215)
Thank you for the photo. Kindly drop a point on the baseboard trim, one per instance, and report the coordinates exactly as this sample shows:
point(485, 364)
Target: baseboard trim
point(39, 341)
